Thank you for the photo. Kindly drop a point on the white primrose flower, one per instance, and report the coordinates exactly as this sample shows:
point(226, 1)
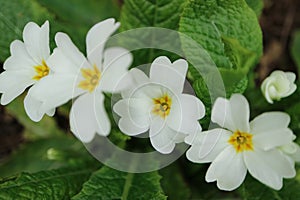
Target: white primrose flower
point(85, 78)
point(27, 65)
point(157, 104)
point(241, 146)
point(278, 85)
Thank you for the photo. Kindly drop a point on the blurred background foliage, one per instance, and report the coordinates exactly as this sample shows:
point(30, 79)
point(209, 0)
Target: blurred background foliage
point(44, 161)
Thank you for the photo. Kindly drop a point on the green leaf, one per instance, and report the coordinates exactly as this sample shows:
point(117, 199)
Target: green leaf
point(54, 184)
point(151, 13)
point(295, 49)
point(82, 12)
point(111, 184)
point(294, 112)
point(229, 32)
point(237, 54)
point(235, 81)
point(47, 127)
point(79, 15)
point(174, 184)
point(195, 173)
point(232, 79)
point(256, 5)
point(210, 22)
point(45, 154)
point(14, 14)
point(204, 95)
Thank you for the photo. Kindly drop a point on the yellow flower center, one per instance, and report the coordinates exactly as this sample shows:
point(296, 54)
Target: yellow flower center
point(241, 141)
point(41, 71)
point(91, 78)
point(162, 106)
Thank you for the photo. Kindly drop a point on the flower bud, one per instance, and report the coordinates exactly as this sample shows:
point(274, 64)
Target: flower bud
point(278, 85)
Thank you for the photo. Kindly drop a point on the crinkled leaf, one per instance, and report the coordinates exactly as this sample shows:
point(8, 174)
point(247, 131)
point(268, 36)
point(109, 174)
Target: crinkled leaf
point(150, 13)
point(108, 183)
point(241, 57)
point(256, 5)
point(239, 87)
point(203, 94)
point(229, 32)
point(53, 184)
point(235, 81)
point(209, 22)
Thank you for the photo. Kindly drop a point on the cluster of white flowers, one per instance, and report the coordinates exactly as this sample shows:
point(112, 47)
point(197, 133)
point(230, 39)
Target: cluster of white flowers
point(154, 103)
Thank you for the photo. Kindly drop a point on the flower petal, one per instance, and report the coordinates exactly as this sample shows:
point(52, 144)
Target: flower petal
point(292, 150)
point(96, 39)
point(135, 118)
point(51, 112)
point(116, 63)
point(269, 167)
point(208, 145)
point(66, 58)
point(228, 169)
point(137, 79)
point(273, 138)
point(157, 124)
point(62, 90)
point(103, 125)
point(86, 120)
point(36, 40)
point(290, 76)
point(60, 64)
point(33, 108)
point(81, 123)
point(293, 88)
point(164, 141)
point(233, 114)
point(269, 121)
point(171, 76)
point(266, 88)
point(221, 114)
point(194, 138)
point(296, 156)
point(14, 83)
point(185, 113)
point(19, 59)
point(129, 127)
point(88, 116)
point(240, 112)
